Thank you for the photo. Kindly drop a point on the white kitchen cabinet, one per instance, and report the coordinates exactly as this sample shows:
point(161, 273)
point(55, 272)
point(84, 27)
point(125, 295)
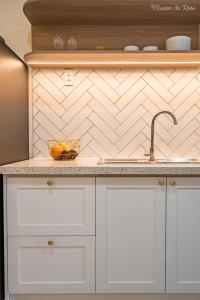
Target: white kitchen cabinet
point(50, 206)
point(51, 265)
point(130, 235)
point(51, 235)
point(183, 235)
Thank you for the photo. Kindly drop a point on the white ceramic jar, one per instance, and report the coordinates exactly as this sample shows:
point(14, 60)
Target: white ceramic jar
point(179, 43)
point(131, 48)
point(150, 49)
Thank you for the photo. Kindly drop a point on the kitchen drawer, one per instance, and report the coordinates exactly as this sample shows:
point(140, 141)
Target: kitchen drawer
point(50, 206)
point(67, 266)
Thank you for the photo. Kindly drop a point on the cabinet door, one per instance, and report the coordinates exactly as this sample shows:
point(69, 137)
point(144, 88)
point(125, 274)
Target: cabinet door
point(183, 235)
point(38, 265)
point(130, 235)
point(50, 206)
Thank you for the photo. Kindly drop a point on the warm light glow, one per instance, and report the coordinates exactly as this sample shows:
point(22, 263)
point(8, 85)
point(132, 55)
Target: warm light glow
point(113, 59)
point(10, 62)
point(43, 63)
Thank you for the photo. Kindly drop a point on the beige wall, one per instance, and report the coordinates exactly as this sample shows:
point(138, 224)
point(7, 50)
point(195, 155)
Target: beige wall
point(14, 27)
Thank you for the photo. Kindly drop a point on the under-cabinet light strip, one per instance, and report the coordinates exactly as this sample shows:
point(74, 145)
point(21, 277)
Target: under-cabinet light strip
point(113, 63)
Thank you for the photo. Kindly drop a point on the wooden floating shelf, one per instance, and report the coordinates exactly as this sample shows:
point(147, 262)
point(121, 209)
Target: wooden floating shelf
point(110, 12)
point(112, 59)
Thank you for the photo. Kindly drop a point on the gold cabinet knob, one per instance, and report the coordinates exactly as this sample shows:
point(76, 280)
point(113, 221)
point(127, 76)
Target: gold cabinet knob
point(49, 182)
point(161, 182)
point(172, 182)
point(50, 243)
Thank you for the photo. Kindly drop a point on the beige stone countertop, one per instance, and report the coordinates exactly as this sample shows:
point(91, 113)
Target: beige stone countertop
point(89, 167)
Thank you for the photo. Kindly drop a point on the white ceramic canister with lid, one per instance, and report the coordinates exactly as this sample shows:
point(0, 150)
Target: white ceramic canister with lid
point(179, 43)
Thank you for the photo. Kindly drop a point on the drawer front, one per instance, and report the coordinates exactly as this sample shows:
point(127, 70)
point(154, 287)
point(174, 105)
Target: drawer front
point(37, 265)
point(50, 206)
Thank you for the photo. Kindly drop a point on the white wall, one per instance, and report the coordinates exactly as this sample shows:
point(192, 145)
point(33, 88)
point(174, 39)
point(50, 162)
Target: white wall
point(111, 111)
point(14, 27)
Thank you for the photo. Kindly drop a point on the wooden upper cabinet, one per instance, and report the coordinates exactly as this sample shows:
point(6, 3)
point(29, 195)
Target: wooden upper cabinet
point(113, 24)
point(112, 59)
point(110, 12)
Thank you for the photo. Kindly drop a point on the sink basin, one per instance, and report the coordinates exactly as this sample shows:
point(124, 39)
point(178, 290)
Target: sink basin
point(121, 161)
point(179, 160)
point(146, 161)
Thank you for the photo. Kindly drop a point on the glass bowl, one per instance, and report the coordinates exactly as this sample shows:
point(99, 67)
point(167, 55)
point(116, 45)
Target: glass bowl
point(64, 150)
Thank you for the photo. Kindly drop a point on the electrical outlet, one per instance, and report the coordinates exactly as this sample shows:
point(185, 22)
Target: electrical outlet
point(68, 77)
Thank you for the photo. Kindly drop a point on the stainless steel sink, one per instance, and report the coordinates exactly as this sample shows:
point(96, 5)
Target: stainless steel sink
point(179, 160)
point(147, 161)
point(121, 161)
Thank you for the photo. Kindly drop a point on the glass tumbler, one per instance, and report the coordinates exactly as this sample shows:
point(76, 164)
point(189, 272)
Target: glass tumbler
point(58, 43)
point(72, 44)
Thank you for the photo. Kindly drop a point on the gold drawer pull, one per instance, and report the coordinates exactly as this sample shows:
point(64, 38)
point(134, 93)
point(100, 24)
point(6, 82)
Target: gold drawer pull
point(49, 182)
point(50, 243)
point(172, 182)
point(161, 182)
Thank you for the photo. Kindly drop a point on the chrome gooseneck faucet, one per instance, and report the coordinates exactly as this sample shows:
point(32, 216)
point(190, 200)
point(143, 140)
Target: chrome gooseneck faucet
point(152, 157)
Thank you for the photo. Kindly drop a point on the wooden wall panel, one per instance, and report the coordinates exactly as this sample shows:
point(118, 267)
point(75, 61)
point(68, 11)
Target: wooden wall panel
point(111, 12)
point(112, 37)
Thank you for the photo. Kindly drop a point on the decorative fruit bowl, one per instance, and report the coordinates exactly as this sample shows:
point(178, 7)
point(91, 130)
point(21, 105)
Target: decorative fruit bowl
point(64, 150)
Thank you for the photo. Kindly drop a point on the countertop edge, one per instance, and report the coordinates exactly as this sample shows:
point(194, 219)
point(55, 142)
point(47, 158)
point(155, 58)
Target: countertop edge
point(104, 170)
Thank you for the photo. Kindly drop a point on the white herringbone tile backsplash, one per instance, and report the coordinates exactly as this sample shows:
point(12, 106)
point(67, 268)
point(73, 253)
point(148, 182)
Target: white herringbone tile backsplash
point(111, 111)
